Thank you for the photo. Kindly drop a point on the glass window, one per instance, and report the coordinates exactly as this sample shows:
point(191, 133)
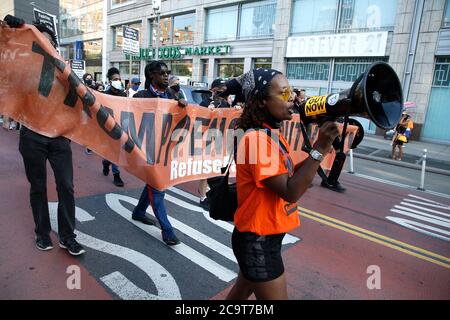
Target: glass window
point(93, 49)
point(367, 14)
point(230, 68)
point(349, 69)
point(221, 23)
point(446, 20)
point(308, 69)
point(182, 68)
point(183, 28)
point(165, 31)
point(205, 69)
point(118, 35)
point(86, 18)
point(314, 16)
point(442, 72)
point(262, 63)
point(257, 19)
point(119, 3)
point(124, 69)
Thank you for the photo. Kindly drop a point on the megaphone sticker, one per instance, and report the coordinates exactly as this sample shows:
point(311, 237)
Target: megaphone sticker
point(333, 99)
point(315, 105)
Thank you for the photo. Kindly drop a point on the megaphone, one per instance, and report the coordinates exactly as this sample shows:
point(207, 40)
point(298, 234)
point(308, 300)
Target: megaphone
point(376, 94)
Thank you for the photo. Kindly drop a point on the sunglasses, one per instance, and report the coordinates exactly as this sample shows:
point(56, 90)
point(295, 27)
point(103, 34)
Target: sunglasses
point(285, 95)
point(163, 72)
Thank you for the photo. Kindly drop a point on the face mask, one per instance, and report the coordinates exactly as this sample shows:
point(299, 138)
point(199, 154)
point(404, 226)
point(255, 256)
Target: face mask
point(135, 87)
point(176, 88)
point(116, 84)
point(88, 82)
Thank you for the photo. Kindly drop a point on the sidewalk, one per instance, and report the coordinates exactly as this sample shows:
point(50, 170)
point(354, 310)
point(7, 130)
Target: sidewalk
point(377, 148)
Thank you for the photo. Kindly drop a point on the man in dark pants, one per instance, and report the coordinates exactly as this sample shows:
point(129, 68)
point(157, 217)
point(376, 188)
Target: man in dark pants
point(115, 89)
point(36, 149)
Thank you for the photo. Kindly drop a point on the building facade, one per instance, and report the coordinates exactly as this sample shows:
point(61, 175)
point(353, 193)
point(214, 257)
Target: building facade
point(82, 32)
point(320, 45)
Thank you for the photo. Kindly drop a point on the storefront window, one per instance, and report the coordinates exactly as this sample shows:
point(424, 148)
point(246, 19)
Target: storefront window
point(221, 23)
point(446, 20)
point(367, 14)
point(181, 68)
point(93, 49)
point(308, 69)
point(120, 3)
point(80, 17)
point(205, 70)
point(257, 19)
point(265, 63)
point(118, 35)
point(230, 68)
point(183, 28)
point(349, 69)
point(314, 16)
point(124, 69)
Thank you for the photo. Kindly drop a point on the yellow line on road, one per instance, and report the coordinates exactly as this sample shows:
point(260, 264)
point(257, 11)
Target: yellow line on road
point(375, 237)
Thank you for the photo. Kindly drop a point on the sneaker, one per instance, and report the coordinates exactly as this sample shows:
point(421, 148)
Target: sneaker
point(89, 152)
point(171, 241)
point(144, 219)
point(117, 181)
point(205, 204)
point(73, 247)
point(44, 244)
point(105, 170)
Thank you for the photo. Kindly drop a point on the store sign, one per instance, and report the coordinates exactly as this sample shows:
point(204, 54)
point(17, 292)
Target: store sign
point(48, 19)
point(78, 67)
point(130, 41)
point(177, 52)
point(367, 44)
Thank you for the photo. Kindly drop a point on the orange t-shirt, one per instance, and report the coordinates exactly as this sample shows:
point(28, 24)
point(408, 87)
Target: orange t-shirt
point(260, 210)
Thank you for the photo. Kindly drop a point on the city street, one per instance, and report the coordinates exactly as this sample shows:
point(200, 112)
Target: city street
point(398, 235)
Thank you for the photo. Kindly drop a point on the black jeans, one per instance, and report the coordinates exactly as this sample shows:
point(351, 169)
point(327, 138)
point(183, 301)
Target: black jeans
point(36, 149)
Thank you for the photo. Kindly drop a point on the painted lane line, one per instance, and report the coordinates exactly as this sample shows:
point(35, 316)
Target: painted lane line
point(165, 284)
point(425, 209)
point(376, 240)
point(288, 239)
point(420, 212)
point(124, 288)
point(420, 217)
point(224, 274)
point(80, 214)
point(424, 199)
point(419, 227)
point(429, 205)
point(375, 235)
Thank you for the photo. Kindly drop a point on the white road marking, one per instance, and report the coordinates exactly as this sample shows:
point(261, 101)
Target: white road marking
point(124, 288)
point(288, 239)
point(429, 204)
point(165, 284)
point(423, 218)
point(224, 274)
point(80, 214)
point(417, 226)
point(425, 209)
point(420, 212)
point(424, 199)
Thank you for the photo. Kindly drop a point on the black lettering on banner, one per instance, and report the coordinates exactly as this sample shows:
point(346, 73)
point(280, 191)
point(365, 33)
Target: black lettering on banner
point(146, 127)
point(183, 125)
point(47, 72)
point(297, 135)
point(71, 98)
point(196, 135)
point(211, 135)
point(102, 116)
point(165, 136)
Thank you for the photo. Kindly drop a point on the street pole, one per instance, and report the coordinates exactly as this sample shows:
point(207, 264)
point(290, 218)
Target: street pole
point(422, 175)
point(351, 161)
point(157, 37)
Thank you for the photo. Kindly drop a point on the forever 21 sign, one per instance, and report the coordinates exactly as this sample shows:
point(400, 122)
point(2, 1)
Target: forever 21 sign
point(367, 44)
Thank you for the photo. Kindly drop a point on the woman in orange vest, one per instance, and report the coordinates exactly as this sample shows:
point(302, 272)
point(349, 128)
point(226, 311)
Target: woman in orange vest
point(268, 184)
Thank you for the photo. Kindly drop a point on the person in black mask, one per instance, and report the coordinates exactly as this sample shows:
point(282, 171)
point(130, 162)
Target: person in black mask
point(88, 80)
point(217, 99)
point(115, 89)
point(174, 87)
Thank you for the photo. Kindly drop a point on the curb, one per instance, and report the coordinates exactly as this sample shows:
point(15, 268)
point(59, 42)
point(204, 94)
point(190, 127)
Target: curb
point(402, 164)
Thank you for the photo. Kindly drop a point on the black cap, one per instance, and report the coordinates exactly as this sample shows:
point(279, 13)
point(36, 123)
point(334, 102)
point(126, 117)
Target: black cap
point(218, 83)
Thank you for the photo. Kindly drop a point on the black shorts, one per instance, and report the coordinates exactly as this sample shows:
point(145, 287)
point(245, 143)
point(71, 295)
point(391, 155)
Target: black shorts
point(259, 257)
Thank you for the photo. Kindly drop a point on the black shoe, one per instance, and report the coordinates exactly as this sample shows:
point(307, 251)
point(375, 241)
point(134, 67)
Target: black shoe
point(73, 247)
point(171, 241)
point(44, 244)
point(89, 152)
point(117, 181)
point(205, 204)
point(144, 219)
point(105, 169)
point(337, 187)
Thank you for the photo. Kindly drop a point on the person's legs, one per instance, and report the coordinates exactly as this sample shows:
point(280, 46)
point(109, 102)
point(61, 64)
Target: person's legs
point(394, 145)
point(106, 164)
point(400, 152)
point(33, 148)
point(241, 290)
point(271, 290)
point(156, 198)
point(115, 168)
point(141, 208)
point(60, 158)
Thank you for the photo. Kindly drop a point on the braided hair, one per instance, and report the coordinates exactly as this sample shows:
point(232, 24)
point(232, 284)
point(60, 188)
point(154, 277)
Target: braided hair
point(150, 68)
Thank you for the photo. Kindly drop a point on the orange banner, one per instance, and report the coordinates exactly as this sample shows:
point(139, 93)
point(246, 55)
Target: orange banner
point(153, 139)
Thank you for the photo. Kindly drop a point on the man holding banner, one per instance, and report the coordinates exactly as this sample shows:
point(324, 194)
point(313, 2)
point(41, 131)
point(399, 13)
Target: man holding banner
point(36, 149)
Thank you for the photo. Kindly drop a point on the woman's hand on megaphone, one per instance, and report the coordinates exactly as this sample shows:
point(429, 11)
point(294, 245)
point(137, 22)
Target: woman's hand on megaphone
point(327, 133)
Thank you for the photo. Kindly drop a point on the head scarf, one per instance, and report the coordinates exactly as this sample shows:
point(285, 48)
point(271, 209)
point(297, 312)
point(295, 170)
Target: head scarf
point(250, 83)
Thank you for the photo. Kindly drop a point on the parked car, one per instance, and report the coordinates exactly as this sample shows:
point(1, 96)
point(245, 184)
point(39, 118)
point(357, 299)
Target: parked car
point(195, 95)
